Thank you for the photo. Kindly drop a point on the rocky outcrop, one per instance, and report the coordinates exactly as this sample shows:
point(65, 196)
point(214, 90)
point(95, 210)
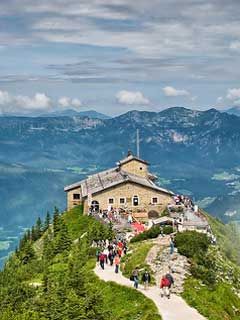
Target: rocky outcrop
point(161, 262)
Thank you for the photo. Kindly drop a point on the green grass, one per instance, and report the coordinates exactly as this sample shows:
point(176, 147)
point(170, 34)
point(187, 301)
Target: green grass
point(125, 303)
point(219, 303)
point(228, 238)
point(136, 258)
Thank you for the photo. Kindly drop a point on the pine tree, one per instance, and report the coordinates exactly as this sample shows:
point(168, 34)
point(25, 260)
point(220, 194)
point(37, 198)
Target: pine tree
point(63, 241)
point(47, 221)
point(28, 234)
point(38, 229)
point(33, 234)
point(48, 248)
point(56, 221)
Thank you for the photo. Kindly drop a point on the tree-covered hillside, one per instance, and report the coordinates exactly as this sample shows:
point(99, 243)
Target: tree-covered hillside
point(50, 276)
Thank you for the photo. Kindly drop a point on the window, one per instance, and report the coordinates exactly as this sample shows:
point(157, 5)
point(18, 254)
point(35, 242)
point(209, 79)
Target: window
point(111, 201)
point(154, 200)
point(135, 201)
point(122, 200)
point(76, 196)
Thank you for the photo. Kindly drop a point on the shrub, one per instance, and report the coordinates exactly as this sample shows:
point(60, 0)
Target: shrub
point(149, 234)
point(167, 229)
point(152, 233)
point(192, 244)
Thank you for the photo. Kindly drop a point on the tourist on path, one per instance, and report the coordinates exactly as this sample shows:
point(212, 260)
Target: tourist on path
point(135, 277)
point(111, 257)
point(102, 260)
point(146, 278)
point(170, 279)
point(117, 263)
point(171, 243)
point(164, 286)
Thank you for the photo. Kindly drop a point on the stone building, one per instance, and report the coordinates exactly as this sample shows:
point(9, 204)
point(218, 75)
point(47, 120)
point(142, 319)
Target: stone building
point(129, 186)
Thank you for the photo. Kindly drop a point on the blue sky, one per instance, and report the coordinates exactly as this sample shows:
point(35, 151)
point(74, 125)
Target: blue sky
point(118, 55)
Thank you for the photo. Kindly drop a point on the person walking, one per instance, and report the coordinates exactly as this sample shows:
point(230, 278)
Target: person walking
point(170, 279)
point(135, 277)
point(102, 260)
point(146, 278)
point(117, 263)
point(111, 257)
point(164, 286)
point(171, 243)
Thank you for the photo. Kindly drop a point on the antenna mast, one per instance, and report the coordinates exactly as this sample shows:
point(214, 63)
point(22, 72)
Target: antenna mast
point(138, 144)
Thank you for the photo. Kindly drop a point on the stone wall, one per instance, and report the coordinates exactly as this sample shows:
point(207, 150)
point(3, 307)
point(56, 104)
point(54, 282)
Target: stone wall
point(136, 167)
point(128, 191)
point(71, 202)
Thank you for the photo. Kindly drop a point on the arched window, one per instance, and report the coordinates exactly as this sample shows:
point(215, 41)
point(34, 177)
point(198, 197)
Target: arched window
point(135, 200)
point(95, 206)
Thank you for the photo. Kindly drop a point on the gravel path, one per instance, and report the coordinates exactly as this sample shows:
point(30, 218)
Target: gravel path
point(174, 308)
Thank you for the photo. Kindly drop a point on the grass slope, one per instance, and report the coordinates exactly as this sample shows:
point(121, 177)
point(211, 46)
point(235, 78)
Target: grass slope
point(218, 300)
point(66, 286)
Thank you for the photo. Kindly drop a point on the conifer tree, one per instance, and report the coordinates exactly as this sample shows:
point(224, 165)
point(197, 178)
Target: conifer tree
point(48, 248)
point(56, 221)
point(63, 240)
point(38, 228)
point(28, 234)
point(33, 234)
point(47, 221)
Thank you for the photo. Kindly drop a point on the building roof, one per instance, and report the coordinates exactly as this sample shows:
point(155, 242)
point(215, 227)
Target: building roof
point(110, 178)
point(131, 157)
point(163, 220)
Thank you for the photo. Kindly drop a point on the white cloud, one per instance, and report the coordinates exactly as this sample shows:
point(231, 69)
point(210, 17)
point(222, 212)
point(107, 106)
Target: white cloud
point(4, 97)
point(40, 101)
point(23, 104)
point(233, 94)
point(66, 102)
point(219, 99)
point(235, 45)
point(76, 103)
point(131, 98)
point(172, 92)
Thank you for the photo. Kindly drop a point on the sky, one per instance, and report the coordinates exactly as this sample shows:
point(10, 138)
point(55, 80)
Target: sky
point(118, 55)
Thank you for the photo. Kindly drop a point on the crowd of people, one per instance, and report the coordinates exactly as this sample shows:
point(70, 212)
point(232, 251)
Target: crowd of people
point(111, 252)
point(183, 200)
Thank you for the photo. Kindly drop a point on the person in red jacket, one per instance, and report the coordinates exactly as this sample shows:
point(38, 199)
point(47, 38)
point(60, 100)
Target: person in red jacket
point(102, 260)
point(164, 286)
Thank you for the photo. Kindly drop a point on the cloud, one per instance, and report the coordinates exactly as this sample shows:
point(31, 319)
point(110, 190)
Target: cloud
point(67, 102)
point(4, 98)
point(234, 96)
point(23, 104)
point(235, 45)
point(131, 98)
point(39, 102)
point(64, 102)
point(172, 92)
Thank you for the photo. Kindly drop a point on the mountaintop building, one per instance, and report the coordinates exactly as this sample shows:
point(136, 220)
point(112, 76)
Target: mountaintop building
point(129, 186)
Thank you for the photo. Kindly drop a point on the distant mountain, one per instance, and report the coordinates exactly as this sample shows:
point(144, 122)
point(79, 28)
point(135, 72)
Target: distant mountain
point(72, 113)
point(193, 152)
point(234, 110)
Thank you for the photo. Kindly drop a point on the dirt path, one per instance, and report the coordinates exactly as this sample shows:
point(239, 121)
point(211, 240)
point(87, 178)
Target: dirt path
point(174, 308)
